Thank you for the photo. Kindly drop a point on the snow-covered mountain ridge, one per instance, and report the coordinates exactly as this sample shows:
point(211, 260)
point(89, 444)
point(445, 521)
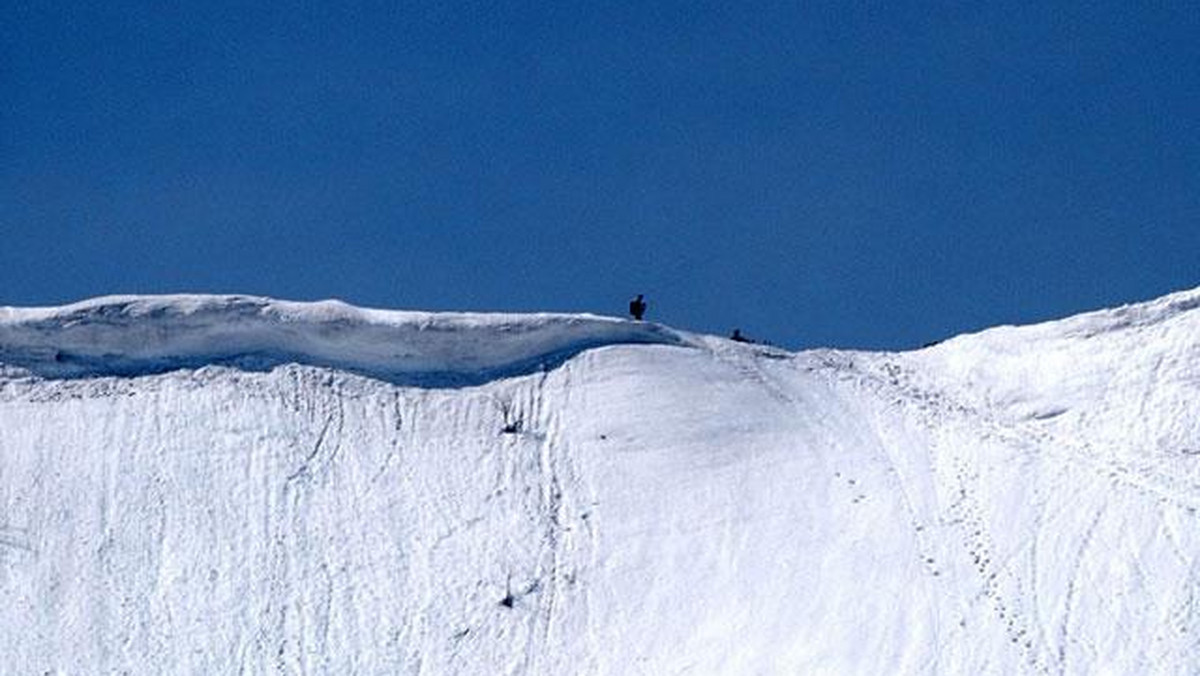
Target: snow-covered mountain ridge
point(137, 335)
point(203, 484)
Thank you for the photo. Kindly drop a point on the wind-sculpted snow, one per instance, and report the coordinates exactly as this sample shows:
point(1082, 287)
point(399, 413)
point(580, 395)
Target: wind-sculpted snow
point(1128, 374)
point(1020, 501)
point(128, 336)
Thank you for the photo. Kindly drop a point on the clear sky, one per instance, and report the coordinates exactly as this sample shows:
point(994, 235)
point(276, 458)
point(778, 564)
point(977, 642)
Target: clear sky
point(819, 174)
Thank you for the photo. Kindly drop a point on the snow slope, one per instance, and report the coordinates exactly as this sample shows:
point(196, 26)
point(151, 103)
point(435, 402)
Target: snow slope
point(227, 484)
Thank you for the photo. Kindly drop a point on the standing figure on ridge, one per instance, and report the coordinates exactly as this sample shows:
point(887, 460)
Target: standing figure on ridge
point(637, 307)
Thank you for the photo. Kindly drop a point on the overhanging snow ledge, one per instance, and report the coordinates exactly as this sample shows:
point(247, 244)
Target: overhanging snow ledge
point(143, 335)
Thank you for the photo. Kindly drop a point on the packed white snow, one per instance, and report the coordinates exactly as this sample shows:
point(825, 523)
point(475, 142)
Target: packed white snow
point(201, 484)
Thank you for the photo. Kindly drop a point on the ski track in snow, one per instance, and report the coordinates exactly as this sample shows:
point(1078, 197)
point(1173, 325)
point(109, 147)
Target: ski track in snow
point(562, 494)
point(1001, 582)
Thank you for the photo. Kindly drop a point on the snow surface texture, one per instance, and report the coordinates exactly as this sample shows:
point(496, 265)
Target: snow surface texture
point(219, 485)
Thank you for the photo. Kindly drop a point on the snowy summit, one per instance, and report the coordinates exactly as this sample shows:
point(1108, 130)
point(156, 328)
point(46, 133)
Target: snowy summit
point(217, 484)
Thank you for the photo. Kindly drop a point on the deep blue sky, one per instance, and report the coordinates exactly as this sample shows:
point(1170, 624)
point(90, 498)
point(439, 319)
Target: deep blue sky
point(841, 174)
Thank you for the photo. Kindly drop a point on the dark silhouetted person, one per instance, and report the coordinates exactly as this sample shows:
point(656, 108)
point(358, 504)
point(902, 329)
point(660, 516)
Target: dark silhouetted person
point(738, 337)
point(637, 307)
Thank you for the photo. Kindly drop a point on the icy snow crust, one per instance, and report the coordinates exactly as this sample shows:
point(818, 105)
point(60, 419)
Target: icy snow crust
point(131, 335)
point(1019, 501)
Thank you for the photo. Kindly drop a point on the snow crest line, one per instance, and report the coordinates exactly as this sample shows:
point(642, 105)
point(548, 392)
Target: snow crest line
point(143, 335)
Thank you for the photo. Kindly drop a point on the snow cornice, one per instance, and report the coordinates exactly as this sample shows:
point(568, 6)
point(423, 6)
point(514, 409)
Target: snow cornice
point(139, 335)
